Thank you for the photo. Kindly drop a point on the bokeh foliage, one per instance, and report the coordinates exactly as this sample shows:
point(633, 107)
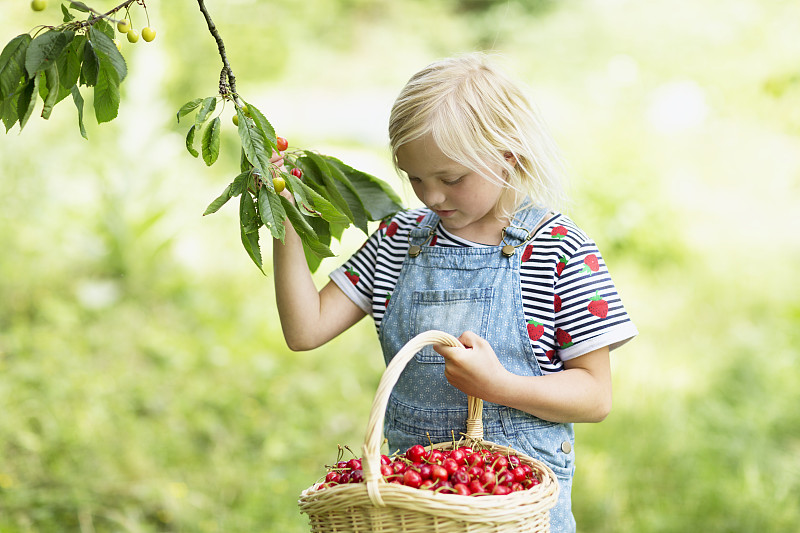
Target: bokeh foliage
point(145, 383)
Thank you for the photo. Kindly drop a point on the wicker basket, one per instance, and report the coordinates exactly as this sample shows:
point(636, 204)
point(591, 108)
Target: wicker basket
point(376, 505)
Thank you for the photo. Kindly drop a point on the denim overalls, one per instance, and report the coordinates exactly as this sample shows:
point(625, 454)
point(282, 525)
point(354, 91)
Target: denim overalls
point(477, 289)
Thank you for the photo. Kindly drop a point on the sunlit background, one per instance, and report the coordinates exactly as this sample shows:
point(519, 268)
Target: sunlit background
point(144, 382)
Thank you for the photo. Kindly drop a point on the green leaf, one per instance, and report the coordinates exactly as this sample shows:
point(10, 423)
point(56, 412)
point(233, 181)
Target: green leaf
point(263, 124)
point(8, 109)
point(312, 202)
point(90, 67)
point(250, 242)
point(271, 211)
point(107, 52)
point(253, 143)
point(52, 85)
point(377, 197)
point(106, 93)
point(67, 15)
point(306, 232)
point(317, 173)
point(190, 142)
point(206, 107)
point(78, 99)
point(69, 63)
point(27, 100)
point(188, 107)
point(45, 49)
point(350, 196)
point(248, 216)
point(103, 26)
point(12, 64)
point(210, 145)
point(322, 229)
point(235, 188)
point(79, 6)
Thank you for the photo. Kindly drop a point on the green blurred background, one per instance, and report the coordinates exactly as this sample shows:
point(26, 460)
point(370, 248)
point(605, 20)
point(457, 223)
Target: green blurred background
point(144, 382)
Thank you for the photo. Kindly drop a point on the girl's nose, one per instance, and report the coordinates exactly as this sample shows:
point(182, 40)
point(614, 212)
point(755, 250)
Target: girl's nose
point(433, 196)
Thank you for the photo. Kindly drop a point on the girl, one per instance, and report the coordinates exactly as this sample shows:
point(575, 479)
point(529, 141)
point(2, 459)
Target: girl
point(488, 260)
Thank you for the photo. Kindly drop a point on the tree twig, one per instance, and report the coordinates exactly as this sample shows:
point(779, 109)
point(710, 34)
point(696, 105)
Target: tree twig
point(227, 80)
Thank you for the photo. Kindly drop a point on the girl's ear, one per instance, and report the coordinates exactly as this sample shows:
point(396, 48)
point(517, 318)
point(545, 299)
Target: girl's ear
point(510, 158)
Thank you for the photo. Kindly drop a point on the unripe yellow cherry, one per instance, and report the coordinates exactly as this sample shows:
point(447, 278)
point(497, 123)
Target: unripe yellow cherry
point(124, 26)
point(235, 119)
point(148, 33)
point(133, 36)
point(279, 184)
point(39, 5)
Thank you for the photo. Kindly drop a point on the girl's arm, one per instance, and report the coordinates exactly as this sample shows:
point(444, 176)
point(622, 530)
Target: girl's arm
point(309, 318)
point(580, 393)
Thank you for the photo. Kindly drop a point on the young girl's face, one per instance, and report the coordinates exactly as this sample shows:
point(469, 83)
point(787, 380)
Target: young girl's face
point(464, 199)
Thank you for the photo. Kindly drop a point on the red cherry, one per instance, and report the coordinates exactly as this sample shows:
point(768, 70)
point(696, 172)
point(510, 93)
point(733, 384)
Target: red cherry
point(357, 476)
point(435, 457)
point(412, 478)
point(426, 471)
point(399, 467)
point(475, 459)
point(501, 490)
point(488, 479)
point(518, 473)
point(450, 464)
point(344, 478)
point(458, 456)
point(386, 470)
point(460, 476)
point(517, 487)
point(444, 486)
point(461, 489)
point(354, 464)
point(499, 463)
point(439, 473)
point(428, 484)
point(475, 471)
point(415, 453)
point(281, 144)
point(475, 487)
point(297, 173)
point(385, 460)
point(333, 477)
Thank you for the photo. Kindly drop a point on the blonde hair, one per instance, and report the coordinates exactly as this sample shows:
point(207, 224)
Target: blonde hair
point(481, 119)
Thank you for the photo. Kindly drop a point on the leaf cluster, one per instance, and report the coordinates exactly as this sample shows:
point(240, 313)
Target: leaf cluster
point(55, 62)
point(327, 195)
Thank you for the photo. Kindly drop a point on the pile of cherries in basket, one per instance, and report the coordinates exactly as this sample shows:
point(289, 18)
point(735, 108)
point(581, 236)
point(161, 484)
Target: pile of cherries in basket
point(464, 471)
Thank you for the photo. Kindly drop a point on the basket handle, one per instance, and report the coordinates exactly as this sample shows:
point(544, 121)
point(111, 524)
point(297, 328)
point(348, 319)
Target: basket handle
point(374, 437)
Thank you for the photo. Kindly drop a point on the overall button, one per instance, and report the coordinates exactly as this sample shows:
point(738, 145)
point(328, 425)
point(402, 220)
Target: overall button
point(566, 447)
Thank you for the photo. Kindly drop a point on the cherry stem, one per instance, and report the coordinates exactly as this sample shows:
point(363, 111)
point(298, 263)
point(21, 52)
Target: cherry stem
point(228, 86)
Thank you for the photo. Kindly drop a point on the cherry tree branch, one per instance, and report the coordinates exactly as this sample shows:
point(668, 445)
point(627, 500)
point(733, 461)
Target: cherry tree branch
point(107, 14)
point(227, 81)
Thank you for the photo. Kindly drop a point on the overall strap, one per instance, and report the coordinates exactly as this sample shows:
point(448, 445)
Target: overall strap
point(524, 224)
point(422, 231)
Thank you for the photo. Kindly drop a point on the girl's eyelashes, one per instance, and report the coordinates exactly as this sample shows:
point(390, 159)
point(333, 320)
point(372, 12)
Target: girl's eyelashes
point(453, 182)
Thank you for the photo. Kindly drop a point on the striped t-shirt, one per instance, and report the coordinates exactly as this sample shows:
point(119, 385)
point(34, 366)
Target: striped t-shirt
point(570, 303)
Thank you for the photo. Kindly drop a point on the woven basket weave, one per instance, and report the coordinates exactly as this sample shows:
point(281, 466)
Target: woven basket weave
point(376, 505)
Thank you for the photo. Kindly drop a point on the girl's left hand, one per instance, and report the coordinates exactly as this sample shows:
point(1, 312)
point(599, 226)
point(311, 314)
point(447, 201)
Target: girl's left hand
point(475, 369)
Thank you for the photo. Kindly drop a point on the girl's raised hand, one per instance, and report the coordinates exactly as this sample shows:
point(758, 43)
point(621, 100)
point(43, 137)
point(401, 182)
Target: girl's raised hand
point(475, 369)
